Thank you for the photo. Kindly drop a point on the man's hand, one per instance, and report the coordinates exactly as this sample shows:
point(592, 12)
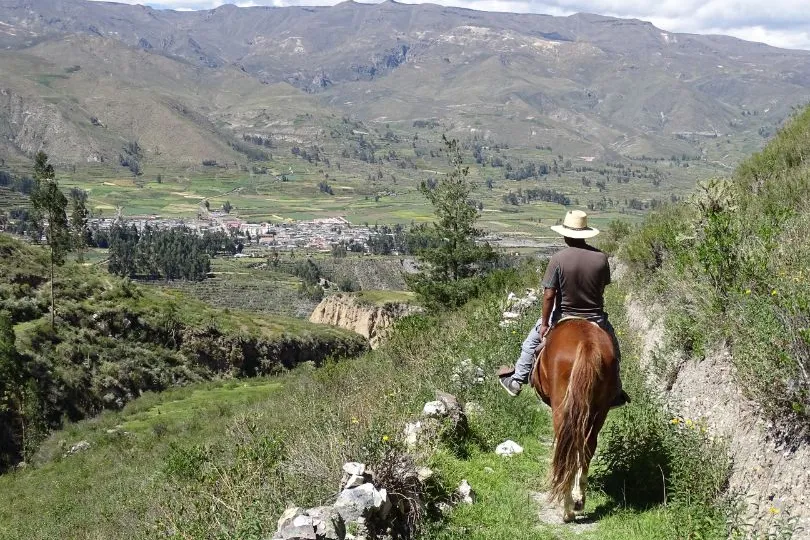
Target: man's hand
point(543, 331)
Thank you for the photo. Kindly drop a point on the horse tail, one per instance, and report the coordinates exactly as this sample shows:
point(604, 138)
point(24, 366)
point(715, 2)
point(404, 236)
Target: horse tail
point(570, 452)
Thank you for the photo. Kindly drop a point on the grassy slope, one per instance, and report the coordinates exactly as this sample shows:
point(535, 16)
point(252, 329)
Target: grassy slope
point(109, 488)
point(114, 340)
point(732, 269)
point(200, 470)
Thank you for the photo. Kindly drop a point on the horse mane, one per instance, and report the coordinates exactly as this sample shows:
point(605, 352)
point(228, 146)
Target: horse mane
point(571, 450)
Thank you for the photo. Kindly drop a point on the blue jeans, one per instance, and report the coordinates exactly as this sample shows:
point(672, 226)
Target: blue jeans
point(523, 367)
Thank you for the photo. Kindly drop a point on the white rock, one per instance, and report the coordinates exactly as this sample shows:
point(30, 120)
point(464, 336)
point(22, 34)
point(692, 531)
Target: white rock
point(412, 431)
point(385, 503)
point(288, 516)
point(353, 468)
point(303, 521)
point(434, 409)
point(465, 492)
point(423, 474)
point(78, 447)
point(354, 481)
point(508, 448)
point(512, 297)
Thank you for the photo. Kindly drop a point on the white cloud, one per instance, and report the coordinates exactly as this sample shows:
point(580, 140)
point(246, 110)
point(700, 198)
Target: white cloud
point(782, 23)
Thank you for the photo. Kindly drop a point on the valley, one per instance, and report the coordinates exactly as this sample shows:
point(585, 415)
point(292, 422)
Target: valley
point(159, 111)
point(257, 260)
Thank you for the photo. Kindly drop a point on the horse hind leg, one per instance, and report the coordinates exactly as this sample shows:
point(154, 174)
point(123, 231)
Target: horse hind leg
point(574, 500)
point(568, 508)
point(578, 491)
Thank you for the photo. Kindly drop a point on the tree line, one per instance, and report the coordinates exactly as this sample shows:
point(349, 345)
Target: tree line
point(536, 194)
point(177, 253)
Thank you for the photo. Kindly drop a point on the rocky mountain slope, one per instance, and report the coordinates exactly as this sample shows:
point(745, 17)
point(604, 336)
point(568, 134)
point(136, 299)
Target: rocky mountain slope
point(602, 86)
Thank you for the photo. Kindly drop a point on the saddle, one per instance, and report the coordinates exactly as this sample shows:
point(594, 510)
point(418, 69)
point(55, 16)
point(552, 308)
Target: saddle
point(504, 371)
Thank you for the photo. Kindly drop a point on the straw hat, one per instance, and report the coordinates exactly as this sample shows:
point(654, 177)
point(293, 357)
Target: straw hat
point(575, 225)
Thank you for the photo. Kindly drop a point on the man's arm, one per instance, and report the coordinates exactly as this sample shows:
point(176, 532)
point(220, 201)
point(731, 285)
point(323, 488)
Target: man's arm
point(549, 296)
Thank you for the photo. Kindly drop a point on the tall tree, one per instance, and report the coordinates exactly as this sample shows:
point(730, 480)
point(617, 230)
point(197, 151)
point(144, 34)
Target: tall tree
point(79, 231)
point(50, 203)
point(454, 254)
point(10, 382)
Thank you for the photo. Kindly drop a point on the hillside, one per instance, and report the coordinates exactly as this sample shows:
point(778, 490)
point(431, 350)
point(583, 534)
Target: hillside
point(162, 466)
point(82, 99)
point(723, 284)
point(114, 340)
point(588, 85)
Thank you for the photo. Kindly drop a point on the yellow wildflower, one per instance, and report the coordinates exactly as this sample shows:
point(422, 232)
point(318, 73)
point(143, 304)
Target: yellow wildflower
point(675, 421)
point(773, 292)
point(385, 438)
point(773, 510)
point(689, 422)
point(355, 420)
point(747, 291)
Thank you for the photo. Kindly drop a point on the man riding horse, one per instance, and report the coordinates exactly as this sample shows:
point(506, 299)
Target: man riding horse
point(574, 287)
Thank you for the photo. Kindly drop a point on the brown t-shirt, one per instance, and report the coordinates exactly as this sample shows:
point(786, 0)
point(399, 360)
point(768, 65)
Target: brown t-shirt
point(580, 275)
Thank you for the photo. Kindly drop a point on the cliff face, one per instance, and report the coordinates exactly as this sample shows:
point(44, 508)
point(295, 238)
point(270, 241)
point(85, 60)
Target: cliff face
point(369, 320)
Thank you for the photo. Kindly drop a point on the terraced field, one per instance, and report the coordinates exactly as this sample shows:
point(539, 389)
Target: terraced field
point(385, 192)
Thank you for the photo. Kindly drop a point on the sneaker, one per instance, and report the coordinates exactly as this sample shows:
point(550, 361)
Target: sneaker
point(621, 399)
point(511, 386)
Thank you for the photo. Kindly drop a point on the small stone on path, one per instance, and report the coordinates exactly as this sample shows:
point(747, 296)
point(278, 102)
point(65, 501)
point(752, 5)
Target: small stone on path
point(508, 448)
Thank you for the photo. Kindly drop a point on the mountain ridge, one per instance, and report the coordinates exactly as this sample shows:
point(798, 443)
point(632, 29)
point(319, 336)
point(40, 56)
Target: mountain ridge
point(602, 85)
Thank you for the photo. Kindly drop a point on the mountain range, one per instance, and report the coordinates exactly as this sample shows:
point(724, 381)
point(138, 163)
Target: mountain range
point(83, 79)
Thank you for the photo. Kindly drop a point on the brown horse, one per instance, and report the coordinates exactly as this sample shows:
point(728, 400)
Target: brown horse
point(576, 375)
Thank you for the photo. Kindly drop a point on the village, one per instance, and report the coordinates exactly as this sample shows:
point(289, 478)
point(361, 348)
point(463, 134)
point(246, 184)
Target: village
point(317, 234)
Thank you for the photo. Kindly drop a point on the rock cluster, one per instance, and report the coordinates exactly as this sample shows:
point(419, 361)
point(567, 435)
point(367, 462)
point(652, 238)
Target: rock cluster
point(443, 417)
point(516, 306)
point(362, 510)
point(358, 504)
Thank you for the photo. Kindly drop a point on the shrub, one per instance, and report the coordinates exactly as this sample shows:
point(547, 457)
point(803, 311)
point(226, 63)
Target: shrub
point(732, 265)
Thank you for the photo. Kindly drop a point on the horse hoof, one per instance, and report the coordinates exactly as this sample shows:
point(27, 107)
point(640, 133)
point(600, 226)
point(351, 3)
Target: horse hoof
point(568, 518)
point(579, 506)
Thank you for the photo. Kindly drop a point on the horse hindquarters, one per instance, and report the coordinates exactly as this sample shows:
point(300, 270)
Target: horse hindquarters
point(573, 426)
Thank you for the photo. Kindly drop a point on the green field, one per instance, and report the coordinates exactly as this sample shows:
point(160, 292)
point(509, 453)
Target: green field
point(380, 298)
point(386, 192)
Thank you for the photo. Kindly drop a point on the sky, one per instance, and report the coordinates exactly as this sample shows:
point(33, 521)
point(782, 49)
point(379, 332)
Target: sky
point(781, 23)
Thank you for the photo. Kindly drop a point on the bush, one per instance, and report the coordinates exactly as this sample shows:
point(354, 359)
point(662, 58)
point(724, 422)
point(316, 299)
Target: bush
point(732, 266)
point(662, 236)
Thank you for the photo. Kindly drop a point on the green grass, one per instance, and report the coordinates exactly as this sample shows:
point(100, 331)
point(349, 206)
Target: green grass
point(109, 487)
point(380, 298)
point(196, 400)
point(225, 459)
